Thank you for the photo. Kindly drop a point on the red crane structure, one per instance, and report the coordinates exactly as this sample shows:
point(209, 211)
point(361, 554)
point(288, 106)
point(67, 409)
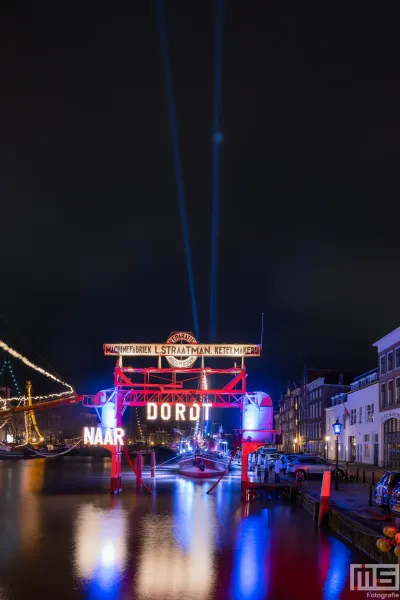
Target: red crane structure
point(175, 385)
point(178, 386)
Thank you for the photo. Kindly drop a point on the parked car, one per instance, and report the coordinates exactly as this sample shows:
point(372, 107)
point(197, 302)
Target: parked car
point(394, 500)
point(311, 465)
point(286, 459)
point(385, 489)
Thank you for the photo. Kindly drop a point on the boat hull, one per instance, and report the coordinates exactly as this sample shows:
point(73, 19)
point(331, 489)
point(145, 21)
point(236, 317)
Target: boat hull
point(10, 455)
point(201, 467)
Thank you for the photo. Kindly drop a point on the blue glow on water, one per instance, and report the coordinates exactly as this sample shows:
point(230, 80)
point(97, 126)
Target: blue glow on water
point(338, 571)
point(251, 558)
point(183, 512)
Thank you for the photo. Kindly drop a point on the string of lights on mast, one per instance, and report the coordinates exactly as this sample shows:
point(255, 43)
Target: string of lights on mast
point(68, 392)
point(139, 425)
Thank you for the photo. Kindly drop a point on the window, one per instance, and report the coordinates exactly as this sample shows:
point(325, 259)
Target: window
point(383, 395)
point(366, 438)
point(353, 416)
point(367, 451)
point(390, 361)
point(370, 413)
point(383, 365)
point(397, 358)
point(390, 392)
point(320, 389)
point(320, 431)
point(360, 414)
point(398, 389)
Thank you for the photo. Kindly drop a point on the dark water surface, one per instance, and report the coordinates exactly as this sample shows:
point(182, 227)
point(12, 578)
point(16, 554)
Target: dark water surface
point(62, 536)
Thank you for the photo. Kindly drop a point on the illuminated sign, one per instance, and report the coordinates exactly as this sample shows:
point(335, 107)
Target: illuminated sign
point(180, 338)
point(109, 436)
point(178, 414)
point(183, 350)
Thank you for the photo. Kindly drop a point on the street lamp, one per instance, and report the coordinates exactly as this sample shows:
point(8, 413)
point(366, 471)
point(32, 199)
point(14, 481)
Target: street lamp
point(337, 428)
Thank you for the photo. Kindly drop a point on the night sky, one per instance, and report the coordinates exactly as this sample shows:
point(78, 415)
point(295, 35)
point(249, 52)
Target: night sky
point(91, 238)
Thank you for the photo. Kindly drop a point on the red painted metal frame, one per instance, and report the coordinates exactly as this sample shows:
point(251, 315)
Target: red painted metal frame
point(175, 386)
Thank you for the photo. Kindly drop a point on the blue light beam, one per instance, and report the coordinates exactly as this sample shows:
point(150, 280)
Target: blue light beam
point(165, 61)
point(216, 142)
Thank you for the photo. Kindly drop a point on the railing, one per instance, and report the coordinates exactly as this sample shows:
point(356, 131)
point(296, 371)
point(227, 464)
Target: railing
point(360, 383)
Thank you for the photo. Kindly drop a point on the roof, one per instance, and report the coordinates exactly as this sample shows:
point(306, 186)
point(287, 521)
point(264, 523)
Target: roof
point(388, 340)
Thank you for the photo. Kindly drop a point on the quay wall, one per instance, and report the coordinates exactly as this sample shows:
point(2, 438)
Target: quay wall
point(355, 532)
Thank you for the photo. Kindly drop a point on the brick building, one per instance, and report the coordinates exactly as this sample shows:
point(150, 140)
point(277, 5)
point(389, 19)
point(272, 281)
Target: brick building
point(302, 410)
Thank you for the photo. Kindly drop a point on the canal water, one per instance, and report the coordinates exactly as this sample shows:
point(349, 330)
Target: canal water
point(62, 536)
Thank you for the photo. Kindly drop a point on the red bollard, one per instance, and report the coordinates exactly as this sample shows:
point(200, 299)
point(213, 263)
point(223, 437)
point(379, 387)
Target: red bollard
point(245, 477)
point(139, 464)
point(325, 495)
point(153, 464)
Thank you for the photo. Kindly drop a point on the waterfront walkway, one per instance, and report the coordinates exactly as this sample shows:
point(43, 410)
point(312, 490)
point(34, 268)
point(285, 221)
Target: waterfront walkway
point(352, 496)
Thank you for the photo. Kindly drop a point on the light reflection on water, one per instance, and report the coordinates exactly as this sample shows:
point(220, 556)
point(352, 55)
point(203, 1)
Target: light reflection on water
point(181, 547)
point(100, 545)
point(179, 543)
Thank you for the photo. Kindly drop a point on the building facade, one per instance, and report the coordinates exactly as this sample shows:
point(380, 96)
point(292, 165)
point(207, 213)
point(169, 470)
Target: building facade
point(358, 412)
point(389, 397)
point(312, 410)
point(287, 420)
point(301, 414)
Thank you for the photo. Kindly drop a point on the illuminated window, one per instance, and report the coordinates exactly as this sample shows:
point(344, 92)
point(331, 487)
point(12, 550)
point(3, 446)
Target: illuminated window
point(383, 365)
point(370, 413)
point(390, 392)
point(383, 395)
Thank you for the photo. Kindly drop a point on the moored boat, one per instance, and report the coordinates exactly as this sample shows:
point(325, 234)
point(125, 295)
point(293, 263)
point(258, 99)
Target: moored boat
point(208, 461)
point(201, 465)
point(8, 453)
